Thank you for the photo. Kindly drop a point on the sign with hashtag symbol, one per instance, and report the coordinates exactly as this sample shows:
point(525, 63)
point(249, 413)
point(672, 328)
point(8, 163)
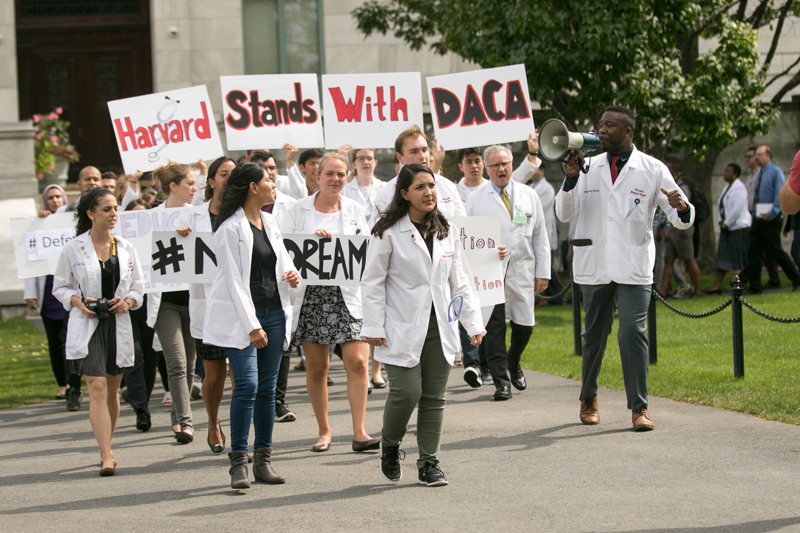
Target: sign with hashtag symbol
point(177, 259)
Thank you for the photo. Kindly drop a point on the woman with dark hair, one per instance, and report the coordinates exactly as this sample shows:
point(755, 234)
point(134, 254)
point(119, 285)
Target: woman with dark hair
point(331, 314)
point(251, 314)
point(416, 288)
point(99, 279)
point(215, 366)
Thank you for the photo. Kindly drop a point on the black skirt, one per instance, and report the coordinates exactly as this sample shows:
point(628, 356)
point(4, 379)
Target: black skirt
point(208, 352)
point(102, 358)
point(733, 248)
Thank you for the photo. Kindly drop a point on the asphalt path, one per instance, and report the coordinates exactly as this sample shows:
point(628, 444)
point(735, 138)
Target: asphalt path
point(522, 465)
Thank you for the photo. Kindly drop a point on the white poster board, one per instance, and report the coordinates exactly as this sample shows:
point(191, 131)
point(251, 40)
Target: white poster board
point(154, 129)
point(176, 259)
point(268, 111)
point(480, 107)
point(370, 110)
point(38, 243)
point(480, 237)
point(337, 261)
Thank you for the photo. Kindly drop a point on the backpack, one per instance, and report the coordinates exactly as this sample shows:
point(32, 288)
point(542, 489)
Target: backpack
point(702, 210)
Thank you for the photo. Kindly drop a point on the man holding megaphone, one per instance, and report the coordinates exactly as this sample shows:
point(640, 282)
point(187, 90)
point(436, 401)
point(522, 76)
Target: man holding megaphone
point(613, 206)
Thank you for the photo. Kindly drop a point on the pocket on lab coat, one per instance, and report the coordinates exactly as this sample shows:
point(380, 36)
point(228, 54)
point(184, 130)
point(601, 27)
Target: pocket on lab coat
point(635, 211)
point(642, 261)
point(398, 336)
point(583, 260)
point(223, 329)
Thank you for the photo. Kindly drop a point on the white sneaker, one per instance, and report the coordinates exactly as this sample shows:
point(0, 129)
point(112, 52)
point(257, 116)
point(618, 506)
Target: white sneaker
point(167, 401)
point(473, 377)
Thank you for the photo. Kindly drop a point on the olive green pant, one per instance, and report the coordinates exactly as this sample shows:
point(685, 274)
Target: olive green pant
point(423, 386)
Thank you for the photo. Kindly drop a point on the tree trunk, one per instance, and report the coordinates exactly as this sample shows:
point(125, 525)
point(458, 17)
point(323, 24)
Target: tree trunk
point(701, 172)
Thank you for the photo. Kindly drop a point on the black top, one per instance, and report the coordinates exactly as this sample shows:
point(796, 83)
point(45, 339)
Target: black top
point(176, 298)
point(213, 218)
point(109, 277)
point(263, 284)
point(428, 238)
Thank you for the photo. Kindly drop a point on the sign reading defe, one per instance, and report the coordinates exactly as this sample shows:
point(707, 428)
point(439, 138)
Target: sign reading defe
point(154, 129)
point(480, 107)
point(268, 111)
point(370, 110)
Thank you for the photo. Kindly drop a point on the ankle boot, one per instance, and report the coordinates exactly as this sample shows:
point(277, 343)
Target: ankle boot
point(238, 471)
point(262, 467)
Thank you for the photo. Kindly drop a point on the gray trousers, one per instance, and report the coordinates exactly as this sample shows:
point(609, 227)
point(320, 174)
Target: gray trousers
point(172, 328)
point(599, 304)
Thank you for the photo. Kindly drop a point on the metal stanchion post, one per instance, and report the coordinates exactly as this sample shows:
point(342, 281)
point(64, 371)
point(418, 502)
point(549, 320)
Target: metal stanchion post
point(577, 327)
point(652, 343)
point(737, 288)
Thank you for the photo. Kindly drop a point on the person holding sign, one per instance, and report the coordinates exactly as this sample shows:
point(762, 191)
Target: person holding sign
point(168, 312)
point(331, 314)
point(215, 365)
point(250, 313)
point(99, 279)
point(417, 288)
point(527, 268)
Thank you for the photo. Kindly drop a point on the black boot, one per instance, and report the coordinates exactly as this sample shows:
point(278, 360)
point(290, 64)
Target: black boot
point(262, 467)
point(238, 471)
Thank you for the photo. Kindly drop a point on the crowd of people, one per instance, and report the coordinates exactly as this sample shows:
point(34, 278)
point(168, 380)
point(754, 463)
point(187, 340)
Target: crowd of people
point(245, 324)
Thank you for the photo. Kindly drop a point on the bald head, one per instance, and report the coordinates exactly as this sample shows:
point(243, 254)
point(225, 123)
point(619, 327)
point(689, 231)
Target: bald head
point(88, 178)
point(763, 155)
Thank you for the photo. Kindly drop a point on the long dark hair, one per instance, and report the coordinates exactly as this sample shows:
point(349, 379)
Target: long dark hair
point(212, 173)
point(87, 203)
point(236, 188)
point(434, 223)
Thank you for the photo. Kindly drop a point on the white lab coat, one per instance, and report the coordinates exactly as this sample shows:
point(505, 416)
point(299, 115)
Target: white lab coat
point(34, 289)
point(528, 247)
point(199, 219)
point(232, 314)
point(547, 196)
point(622, 248)
point(447, 198)
point(367, 203)
point(293, 184)
point(400, 282)
point(299, 218)
point(737, 215)
point(78, 274)
point(524, 172)
point(464, 191)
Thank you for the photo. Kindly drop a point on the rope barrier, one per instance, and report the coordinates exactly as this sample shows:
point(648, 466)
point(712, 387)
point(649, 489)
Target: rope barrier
point(559, 295)
point(762, 314)
point(691, 315)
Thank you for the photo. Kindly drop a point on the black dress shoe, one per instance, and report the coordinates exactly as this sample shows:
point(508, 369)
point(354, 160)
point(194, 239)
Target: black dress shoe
point(184, 438)
point(379, 384)
point(502, 393)
point(143, 422)
point(364, 445)
point(518, 379)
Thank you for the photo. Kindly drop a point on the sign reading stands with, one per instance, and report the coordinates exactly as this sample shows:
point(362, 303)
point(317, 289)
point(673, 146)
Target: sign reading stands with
point(481, 107)
point(153, 129)
point(370, 110)
point(268, 111)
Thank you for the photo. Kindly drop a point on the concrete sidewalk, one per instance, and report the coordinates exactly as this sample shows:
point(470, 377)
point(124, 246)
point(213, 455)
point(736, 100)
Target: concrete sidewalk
point(522, 465)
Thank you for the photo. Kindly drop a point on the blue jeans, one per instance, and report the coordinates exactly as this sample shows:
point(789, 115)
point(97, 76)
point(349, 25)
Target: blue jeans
point(255, 373)
point(472, 355)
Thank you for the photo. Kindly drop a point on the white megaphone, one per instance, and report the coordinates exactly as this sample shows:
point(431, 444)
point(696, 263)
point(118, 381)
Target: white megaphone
point(556, 141)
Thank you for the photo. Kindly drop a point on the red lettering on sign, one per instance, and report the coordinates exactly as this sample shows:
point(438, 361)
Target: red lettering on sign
point(151, 135)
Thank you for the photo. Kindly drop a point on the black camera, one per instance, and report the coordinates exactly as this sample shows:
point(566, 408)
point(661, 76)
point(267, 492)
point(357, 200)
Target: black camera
point(100, 308)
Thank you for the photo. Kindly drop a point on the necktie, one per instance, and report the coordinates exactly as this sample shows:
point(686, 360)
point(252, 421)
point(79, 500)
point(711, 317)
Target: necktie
point(755, 192)
point(614, 169)
point(507, 203)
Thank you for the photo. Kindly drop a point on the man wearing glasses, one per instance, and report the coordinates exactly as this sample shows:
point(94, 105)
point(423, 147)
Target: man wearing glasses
point(526, 267)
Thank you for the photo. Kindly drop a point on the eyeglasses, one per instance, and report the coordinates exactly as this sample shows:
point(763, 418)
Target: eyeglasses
point(365, 159)
point(500, 164)
point(271, 168)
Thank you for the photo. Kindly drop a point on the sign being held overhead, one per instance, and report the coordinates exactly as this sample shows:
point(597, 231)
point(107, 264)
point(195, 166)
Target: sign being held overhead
point(268, 111)
point(154, 129)
point(480, 107)
point(370, 110)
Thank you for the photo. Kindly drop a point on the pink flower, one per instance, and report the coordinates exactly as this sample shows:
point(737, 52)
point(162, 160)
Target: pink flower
point(39, 175)
point(36, 118)
point(54, 139)
point(59, 110)
point(53, 116)
point(38, 136)
point(52, 167)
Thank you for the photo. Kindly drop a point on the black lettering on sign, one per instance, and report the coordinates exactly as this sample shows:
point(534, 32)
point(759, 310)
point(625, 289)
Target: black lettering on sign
point(448, 107)
point(309, 249)
point(339, 261)
point(201, 249)
point(358, 255)
point(323, 273)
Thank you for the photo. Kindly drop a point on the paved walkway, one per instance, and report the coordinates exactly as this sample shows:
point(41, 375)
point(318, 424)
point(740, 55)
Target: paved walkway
point(522, 465)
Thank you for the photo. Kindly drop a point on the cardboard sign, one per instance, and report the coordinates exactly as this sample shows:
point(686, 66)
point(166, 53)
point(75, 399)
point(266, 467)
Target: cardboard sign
point(337, 261)
point(176, 259)
point(370, 110)
point(268, 111)
point(480, 237)
point(154, 129)
point(38, 242)
point(138, 227)
point(481, 107)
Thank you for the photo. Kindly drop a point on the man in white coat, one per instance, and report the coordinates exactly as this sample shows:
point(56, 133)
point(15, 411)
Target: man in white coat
point(612, 207)
point(527, 266)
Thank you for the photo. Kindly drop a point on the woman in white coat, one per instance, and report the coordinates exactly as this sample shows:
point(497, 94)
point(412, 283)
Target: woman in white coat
point(99, 271)
point(249, 313)
point(734, 228)
point(416, 279)
point(215, 364)
point(331, 314)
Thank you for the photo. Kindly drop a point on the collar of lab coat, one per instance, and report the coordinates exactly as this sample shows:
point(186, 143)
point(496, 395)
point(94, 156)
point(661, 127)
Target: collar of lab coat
point(346, 213)
point(489, 191)
point(93, 288)
point(605, 168)
point(406, 226)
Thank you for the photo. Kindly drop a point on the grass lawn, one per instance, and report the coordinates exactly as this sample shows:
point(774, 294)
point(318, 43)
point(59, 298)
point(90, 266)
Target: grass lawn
point(25, 373)
point(695, 356)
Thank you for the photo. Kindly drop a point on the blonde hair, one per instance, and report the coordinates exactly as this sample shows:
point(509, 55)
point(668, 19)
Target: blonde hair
point(171, 173)
point(332, 155)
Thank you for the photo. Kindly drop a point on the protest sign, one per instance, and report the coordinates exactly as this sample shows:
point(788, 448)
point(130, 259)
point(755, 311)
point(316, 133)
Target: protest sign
point(339, 260)
point(480, 237)
point(138, 227)
point(38, 242)
point(480, 107)
point(176, 259)
point(370, 110)
point(268, 111)
point(154, 129)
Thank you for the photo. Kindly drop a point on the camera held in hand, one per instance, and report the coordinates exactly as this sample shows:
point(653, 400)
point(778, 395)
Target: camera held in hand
point(100, 308)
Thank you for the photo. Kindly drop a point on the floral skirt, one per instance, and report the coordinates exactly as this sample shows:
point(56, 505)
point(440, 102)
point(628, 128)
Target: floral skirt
point(325, 319)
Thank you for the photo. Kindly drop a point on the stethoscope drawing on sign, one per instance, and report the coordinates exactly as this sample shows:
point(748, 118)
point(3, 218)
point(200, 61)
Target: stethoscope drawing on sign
point(153, 156)
point(450, 308)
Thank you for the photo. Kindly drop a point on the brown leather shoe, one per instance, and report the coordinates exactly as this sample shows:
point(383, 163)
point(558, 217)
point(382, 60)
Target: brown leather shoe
point(641, 420)
point(590, 414)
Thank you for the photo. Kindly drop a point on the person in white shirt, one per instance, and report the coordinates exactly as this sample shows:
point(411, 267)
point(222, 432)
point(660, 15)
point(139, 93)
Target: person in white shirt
point(301, 178)
point(470, 162)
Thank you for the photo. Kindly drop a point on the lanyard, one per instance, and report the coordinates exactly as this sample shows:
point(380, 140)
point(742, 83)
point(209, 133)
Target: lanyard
point(450, 307)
